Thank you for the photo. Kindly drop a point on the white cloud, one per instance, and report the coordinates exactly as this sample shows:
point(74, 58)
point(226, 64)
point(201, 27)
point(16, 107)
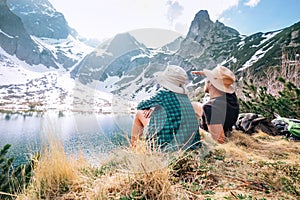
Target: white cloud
point(174, 11)
point(223, 19)
point(252, 3)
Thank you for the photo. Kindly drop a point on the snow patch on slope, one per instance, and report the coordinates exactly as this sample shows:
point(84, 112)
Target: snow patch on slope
point(23, 85)
point(260, 53)
point(7, 35)
point(266, 36)
point(70, 47)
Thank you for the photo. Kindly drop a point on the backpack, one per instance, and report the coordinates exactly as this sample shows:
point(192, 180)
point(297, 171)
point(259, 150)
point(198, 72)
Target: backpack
point(287, 126)
point(251, 123)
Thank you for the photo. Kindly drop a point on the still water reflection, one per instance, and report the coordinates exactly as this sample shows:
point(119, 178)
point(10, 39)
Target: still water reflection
point(91, 134)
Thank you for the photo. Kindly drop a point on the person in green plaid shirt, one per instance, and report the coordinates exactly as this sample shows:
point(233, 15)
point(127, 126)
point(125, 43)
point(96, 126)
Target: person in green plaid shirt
point(167, 120)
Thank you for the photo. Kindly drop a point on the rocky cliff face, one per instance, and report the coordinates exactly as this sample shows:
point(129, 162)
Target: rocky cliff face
point(15, 40)
point(40, 18)
point(208, 43)
point(258, 52)
point(112, 58)
point(37, 34)
point(202, 28)
point(36, 56)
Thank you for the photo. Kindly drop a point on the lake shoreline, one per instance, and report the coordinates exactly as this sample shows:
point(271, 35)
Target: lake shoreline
point(78, 131)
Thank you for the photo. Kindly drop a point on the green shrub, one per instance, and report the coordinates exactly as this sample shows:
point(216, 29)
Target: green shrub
point(12, 179)
point(258, 100)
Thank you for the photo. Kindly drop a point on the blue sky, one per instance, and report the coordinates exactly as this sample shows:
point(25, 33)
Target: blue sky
point(103, 19)
point(267, 15)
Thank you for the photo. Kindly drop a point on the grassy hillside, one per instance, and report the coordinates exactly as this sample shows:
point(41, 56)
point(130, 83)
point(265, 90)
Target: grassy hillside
point(245, 167)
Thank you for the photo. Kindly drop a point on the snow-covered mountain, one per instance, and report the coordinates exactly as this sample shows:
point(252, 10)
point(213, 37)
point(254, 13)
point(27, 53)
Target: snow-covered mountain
point(41, 19)
point(37, 52)
point(207, 44)
point(123, 66)
point(25, 88)
point(41, 34)
point(54, 69)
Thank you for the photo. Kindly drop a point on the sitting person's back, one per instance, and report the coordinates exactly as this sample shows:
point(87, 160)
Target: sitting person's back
point(223, 110)
point(173, 124)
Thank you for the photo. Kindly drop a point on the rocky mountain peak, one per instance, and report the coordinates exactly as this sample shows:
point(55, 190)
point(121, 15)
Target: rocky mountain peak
point(202, 15)
point(200, 26)
point(129, 43)
point(205, 38)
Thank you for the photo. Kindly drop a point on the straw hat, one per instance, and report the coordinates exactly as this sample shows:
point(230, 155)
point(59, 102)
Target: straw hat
point(220, 77)
point(173, 78)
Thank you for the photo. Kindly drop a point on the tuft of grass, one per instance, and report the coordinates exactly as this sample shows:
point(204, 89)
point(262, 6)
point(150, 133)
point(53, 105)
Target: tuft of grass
point(137, 173)
point(54, 172)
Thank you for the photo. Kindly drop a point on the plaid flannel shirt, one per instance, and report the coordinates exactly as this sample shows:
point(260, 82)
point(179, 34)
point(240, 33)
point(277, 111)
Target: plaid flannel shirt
point(173, 123)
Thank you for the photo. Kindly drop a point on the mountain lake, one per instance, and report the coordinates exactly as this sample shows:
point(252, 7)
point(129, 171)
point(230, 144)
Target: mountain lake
point(90, 134)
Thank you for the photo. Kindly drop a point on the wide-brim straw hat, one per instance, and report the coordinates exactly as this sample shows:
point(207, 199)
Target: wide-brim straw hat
point(221, 78)
point(173, 78)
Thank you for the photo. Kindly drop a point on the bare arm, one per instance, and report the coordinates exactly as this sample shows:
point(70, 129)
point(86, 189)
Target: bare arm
point(197, 108)
point(217, 132)
point(198, 73)
point(141, 120)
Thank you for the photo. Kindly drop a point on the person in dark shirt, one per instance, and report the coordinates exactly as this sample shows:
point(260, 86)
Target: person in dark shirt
point(221, 112)
point(168, 117)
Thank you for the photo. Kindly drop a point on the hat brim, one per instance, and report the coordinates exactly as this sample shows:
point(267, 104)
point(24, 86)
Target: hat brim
point(163, 81)
point(217, 84)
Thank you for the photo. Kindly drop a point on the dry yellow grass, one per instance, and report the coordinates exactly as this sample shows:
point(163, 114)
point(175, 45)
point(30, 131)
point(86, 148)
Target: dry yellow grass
point(245, 167)
point(266, 166)
point(54, 172)
point(261, 147)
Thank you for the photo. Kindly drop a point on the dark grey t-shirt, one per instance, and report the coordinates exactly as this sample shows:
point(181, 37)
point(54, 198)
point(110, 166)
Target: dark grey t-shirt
point(221, 110)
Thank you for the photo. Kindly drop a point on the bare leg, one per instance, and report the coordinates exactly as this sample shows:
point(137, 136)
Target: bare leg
point(140, 121)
